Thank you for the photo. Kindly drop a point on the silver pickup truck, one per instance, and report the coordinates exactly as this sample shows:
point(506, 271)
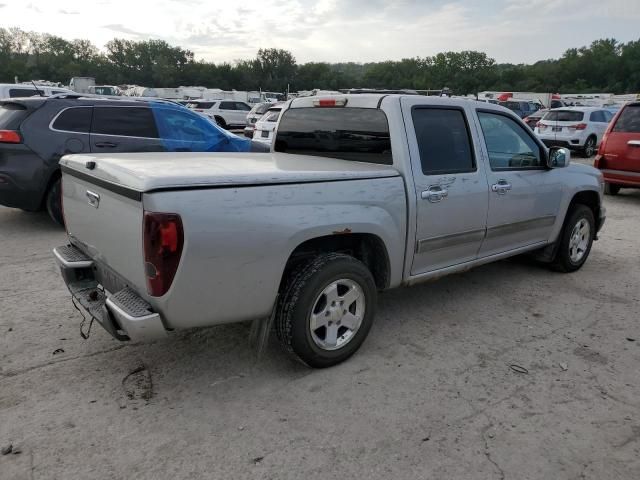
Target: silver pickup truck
point(360, 194)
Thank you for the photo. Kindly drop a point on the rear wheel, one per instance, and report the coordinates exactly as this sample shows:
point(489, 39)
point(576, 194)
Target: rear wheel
point(53, 202)
point(220, 121)
point(326, 309)
point(576, 240)
point(589, 148)
point(611, 188)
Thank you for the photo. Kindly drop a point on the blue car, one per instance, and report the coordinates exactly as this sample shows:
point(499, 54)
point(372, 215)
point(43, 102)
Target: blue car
point(36, 132)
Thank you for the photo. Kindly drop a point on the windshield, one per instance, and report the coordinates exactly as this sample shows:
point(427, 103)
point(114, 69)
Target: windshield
point(564, 116)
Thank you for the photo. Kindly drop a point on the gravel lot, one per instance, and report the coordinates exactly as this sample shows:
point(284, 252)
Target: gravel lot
point(430, 395)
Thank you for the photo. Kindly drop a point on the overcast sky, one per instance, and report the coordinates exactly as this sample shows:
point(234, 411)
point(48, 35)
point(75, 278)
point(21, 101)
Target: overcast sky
point(518, 31)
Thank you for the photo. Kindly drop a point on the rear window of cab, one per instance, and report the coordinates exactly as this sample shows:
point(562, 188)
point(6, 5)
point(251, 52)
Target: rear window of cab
point(356, 134)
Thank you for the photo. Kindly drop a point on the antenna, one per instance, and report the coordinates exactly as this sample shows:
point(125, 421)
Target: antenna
point(39, 91)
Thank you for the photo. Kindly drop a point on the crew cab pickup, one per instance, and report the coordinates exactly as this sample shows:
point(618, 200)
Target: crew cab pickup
point(361, 193)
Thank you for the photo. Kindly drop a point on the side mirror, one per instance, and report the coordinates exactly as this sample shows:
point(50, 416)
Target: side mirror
point(559, 157)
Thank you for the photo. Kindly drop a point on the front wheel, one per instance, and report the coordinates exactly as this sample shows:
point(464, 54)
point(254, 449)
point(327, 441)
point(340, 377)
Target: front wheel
point(576, 240)
point(326, 309)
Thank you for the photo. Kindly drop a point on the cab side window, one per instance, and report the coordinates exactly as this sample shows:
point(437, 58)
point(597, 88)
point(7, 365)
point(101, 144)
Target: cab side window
point(510, 147)
point(443, 140)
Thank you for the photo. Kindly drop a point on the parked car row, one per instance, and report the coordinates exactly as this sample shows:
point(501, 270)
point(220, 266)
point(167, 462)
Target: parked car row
point(36, 132)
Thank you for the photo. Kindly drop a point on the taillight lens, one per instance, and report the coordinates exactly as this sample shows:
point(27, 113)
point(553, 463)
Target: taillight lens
point(579, 126)
point(163, 241)
point(10, 136)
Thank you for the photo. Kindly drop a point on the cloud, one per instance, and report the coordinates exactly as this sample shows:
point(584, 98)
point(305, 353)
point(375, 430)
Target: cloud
point(116, 27)
point(2, 5)
point(514, 31)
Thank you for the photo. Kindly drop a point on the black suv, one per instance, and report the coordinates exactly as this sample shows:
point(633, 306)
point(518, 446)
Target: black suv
point(36, 131)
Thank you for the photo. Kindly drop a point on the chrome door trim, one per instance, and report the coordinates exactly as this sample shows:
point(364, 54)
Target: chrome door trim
point(515, 227)
point(462, 267)
point(448, 241)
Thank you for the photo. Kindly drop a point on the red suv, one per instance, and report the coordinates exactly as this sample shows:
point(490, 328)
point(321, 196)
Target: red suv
point(619, 154)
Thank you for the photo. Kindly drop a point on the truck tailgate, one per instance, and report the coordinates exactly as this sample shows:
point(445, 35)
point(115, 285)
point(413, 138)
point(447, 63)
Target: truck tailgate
point(107, 226)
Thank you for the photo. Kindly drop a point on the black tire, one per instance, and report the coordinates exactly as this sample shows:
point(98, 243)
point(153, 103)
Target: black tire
point(563, 261)
point(611, 188)
point(589, 148)
point(220, 121)
point(53, 202)
point(298, 299)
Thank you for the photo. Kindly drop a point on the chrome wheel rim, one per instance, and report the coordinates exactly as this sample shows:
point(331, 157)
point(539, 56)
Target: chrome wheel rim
point(337, 314)
point(589, 147)
point(579, 240)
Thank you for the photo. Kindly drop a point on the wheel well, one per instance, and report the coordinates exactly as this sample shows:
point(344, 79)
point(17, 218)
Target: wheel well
point(589, 198)
point(366, 247)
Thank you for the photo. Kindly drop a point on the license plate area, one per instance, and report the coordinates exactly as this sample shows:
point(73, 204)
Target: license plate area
point(106, 277)
point(556, 129)
point(265, 134)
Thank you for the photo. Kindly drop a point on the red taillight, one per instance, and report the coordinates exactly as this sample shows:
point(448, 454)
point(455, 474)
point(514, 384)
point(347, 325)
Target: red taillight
point(603, 143)
point(525, 119)
point(163, 240)
point(10, 136)
point(329, 102)
point(579, 126)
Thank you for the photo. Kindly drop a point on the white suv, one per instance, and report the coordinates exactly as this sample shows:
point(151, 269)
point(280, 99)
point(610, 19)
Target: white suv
point(578, 128)
point(226, 113)
point(266, 126)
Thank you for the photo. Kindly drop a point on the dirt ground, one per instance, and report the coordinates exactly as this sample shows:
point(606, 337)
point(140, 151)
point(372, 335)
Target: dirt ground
point(431, 394)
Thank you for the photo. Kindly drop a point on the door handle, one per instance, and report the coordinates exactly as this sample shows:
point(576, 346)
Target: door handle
point(434, 194)
point(501, 187)
point(106, 145)
point(634, 143)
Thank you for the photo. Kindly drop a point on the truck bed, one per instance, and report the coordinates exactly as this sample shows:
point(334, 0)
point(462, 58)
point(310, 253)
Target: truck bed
point(147, 172)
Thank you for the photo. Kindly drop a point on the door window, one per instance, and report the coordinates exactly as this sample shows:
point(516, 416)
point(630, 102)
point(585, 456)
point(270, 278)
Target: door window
point(227, 105)
point(443, 141)
point(124, 122)
point(176, 125)
point(243, 106)
point(509, 145)
point(76, 119)
point(597, 116)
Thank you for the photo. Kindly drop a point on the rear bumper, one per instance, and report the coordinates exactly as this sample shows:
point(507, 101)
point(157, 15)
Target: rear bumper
point(124, 314)
point(15, 196)
point(23, 177)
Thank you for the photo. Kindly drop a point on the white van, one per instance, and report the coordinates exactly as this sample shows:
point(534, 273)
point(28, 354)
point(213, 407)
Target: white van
point(14, 90)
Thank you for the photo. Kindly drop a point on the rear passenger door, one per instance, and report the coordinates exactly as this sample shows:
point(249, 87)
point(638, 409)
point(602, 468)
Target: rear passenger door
point(230, 114)
point(124, 129)
point(524, 195)
point(450, 187)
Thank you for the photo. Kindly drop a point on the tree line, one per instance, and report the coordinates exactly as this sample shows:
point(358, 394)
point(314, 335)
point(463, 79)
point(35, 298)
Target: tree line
point(605, 66)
